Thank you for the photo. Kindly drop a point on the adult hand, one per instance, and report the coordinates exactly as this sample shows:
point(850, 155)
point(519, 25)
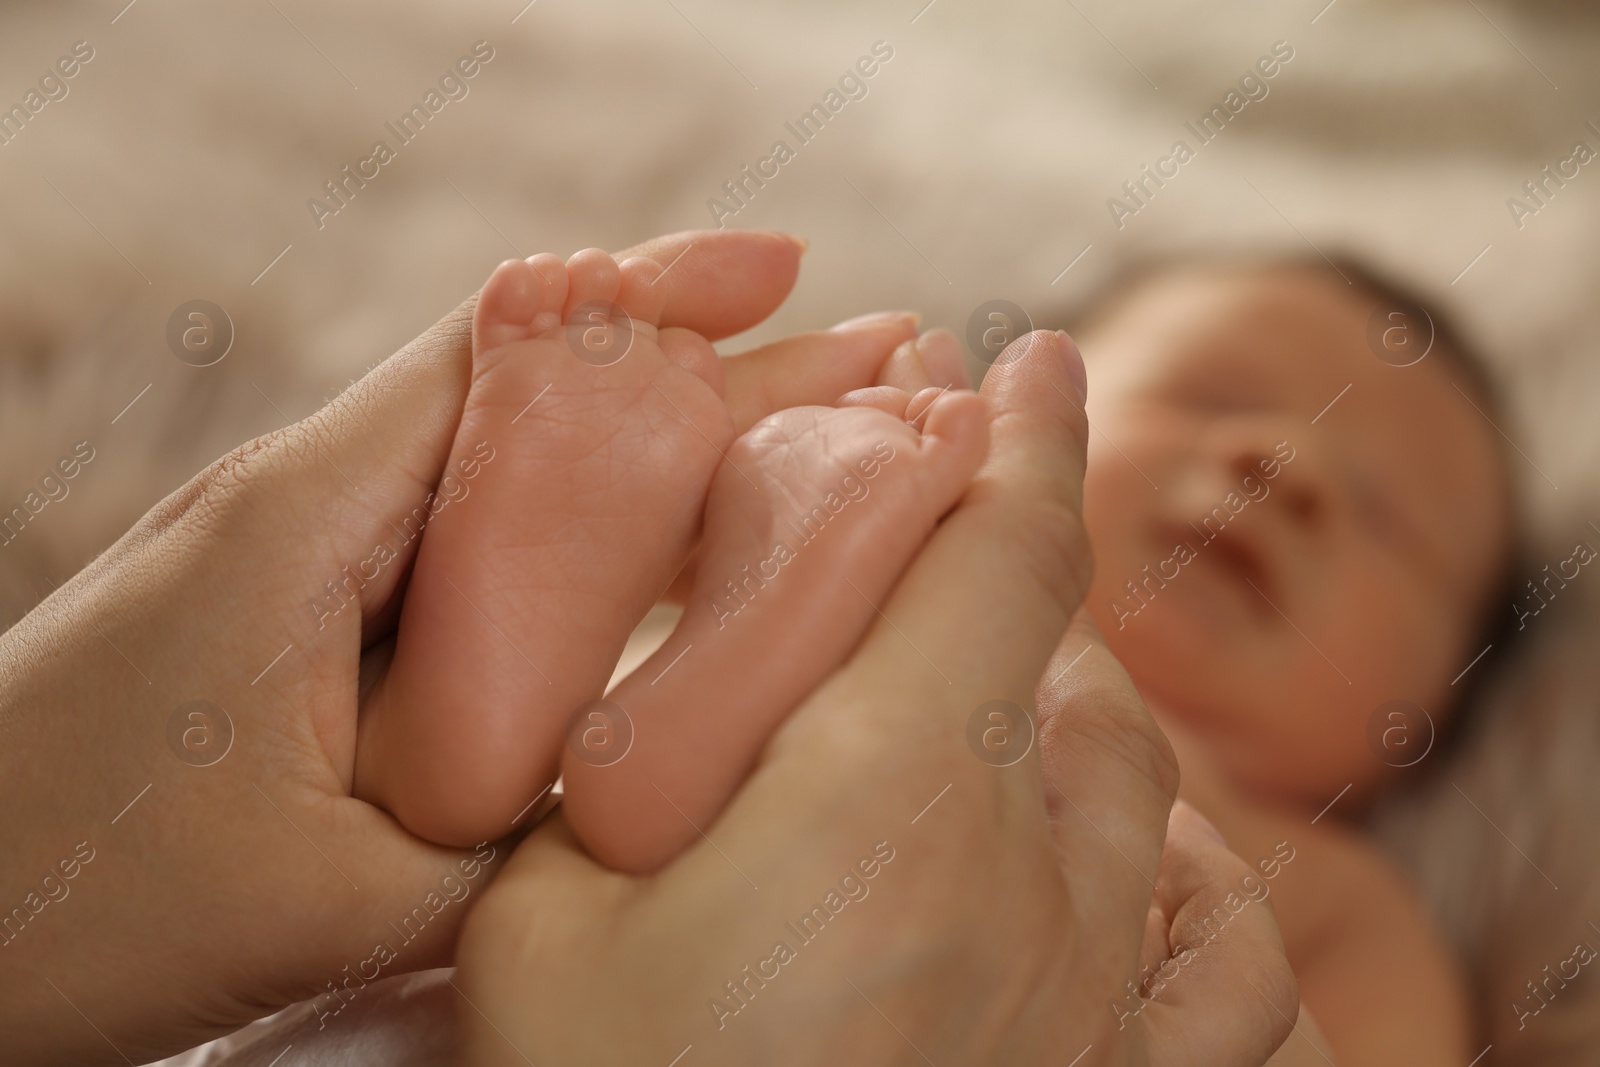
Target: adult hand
point(880, 894)
point(173, 870)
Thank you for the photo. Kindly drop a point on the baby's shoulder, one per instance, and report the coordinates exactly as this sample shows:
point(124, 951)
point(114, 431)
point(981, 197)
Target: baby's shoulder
point(1371, 965)
point(1337, 876)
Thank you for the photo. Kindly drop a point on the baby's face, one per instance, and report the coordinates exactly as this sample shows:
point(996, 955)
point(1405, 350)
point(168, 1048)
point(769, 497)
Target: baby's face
point(1300, 573)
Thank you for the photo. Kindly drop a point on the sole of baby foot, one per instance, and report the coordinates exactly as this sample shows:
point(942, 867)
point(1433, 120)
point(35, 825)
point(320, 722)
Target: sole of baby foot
point(572, 494)
point(810, 522)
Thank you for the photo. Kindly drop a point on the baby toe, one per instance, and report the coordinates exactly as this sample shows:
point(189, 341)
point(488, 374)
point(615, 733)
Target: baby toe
point(592, 281)
point(507, 305)
point(552, 270)
point(884, 398)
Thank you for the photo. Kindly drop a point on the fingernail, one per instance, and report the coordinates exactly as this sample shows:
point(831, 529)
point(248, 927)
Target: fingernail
point(796, 238)
point(943, 359)
point(1077, 374)
point(879, 318)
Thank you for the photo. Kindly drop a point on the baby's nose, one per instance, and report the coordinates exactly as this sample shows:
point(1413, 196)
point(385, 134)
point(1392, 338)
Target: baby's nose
point(1281, 470)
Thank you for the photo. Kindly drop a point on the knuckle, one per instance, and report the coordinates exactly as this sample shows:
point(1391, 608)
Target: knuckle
point(1120, 729)
point(229, 490)
point(1280, 991)
point(217, 490)
point(1053, 547)
point(1076, 423)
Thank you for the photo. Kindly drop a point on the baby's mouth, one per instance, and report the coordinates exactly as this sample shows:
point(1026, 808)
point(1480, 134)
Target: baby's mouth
point(1242, 560)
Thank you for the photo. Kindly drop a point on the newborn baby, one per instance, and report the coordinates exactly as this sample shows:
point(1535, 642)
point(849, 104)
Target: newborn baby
point(609, 439)
point(1290, 532)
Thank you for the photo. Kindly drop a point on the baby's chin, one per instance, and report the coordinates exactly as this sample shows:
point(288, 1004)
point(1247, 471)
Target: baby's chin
point(1187, 634)
point(1190, 674)
point(1241, 737)
point(1177, 667)
point(1205, 668)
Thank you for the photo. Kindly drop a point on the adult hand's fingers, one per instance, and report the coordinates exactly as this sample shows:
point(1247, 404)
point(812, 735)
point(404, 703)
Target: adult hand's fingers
point(1222, 993)
point(1109, 781)
point(934, 359)
point(904, 371)
point(812, 368)
point(722, 282)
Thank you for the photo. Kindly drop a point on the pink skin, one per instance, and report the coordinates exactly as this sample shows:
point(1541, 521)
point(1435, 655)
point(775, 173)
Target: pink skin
point(504, 631)
point(809, 523)
point(567, 519)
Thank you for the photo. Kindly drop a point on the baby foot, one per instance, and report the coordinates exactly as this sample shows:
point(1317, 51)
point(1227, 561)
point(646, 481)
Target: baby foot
point(809, 523)
point(572, 495)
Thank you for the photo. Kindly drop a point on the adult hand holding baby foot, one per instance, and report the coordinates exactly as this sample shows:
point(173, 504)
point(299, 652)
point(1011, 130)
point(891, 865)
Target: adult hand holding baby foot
point(973, 913)
point(218, 893)
point(241, 886)
point(606, 434)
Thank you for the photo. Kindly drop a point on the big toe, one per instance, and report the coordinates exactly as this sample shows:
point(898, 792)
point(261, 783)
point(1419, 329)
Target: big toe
point(509, 306)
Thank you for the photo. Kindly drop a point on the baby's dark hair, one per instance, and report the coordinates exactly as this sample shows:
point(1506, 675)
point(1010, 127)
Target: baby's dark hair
point(1460, 359)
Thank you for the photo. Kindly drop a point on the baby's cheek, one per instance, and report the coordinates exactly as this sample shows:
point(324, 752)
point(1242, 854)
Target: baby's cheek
point(1394, 644)
point(1402, 636)
point(1107, 500)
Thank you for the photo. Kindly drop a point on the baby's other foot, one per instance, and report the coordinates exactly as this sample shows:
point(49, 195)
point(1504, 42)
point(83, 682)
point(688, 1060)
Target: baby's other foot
point(810, 522)
point(571, 497)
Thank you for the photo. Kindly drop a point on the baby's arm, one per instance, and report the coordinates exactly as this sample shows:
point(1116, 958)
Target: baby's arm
point(1369, 962)
point(1371, 968)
